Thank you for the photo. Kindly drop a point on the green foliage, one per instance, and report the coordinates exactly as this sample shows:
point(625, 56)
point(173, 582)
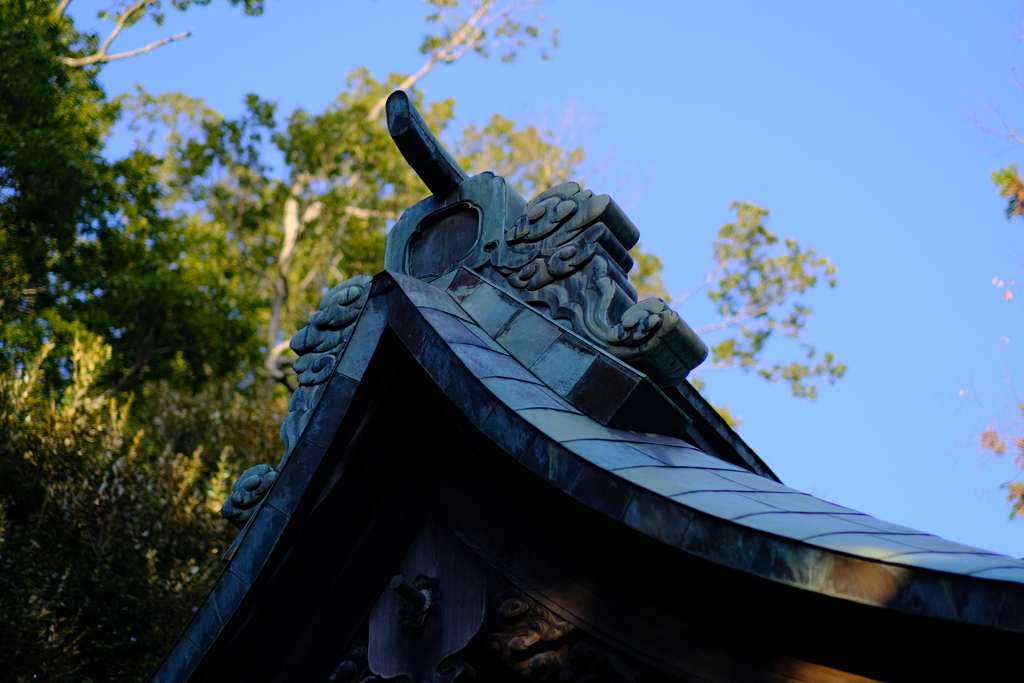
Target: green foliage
point(479, 26)
point(755, 288)
point(280, 237)
point(136, 12)
point(646, 275)
point(53, 184)
point(85, 245)
point(253, 8)
point(109, 534)
point(527, 157)
point(731, 419)
point(1010, 185)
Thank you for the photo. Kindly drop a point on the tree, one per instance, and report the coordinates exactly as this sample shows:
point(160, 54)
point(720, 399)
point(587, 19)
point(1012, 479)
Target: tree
point(95, 52)
point(755, 286)
point(133, 515)
point(1008, 181)
point(129, 398)
point(148, 302)
point(325, 220)
point(52, 181)
point(85, 244)
point(995, 441)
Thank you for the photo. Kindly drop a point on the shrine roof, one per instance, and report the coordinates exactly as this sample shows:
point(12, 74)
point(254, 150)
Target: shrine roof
point(547, 398)
point(537, 341)
point(536, 369)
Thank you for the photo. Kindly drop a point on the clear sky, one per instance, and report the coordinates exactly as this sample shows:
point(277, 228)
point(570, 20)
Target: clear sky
point(851, 122)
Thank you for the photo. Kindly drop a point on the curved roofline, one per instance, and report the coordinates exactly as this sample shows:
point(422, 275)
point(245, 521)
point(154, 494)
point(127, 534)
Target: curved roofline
point(655, 484)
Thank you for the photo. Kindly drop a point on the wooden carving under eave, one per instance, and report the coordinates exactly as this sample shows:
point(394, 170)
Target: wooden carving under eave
point(568, 253)
point(353, 668)
point(544, 648)
point(421, 642)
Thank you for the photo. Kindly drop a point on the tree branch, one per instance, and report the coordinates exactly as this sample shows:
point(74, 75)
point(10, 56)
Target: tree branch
point(407, 83)
point(122, 21)
point(746, 313)
point(101, 56)
point(62, 7)
point(366, 214)
point(102, 59)
point(308, 278)
point(464, 37)
point(700, 285)
point(279, 349)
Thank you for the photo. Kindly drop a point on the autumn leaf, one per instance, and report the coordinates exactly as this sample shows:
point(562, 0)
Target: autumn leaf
point(990, 441)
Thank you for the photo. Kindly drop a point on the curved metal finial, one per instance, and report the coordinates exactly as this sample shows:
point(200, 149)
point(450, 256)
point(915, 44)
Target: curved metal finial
point(424, 152)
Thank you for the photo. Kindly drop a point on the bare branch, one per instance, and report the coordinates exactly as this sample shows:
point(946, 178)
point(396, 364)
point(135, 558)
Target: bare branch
point(702, 284)
point(101, 56)
point(1007, 131)
point(122, 21)
point(738, 319)
point(293, 227)
point(308, 278)
point(748, 313)
point(407, 83)
point(276, 362)
point(102, 59)
point(62, 7)
point(366, 214)
point(467, 38)
point(280, 348)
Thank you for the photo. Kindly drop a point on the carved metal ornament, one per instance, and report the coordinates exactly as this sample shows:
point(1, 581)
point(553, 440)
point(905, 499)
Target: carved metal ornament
point(247, 493)
point(544, 648)
point(568, 254)
point(319, 345)
point(565, 252)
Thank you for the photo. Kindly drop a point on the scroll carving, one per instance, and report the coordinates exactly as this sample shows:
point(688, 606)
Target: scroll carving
point(354, 668)
point(544, 648)
point(319, 345)
point(568, 253)
point(247, 493)
point(452, 671)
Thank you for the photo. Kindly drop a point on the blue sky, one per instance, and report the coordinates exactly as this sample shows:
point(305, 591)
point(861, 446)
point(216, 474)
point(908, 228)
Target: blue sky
point(855, 124)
